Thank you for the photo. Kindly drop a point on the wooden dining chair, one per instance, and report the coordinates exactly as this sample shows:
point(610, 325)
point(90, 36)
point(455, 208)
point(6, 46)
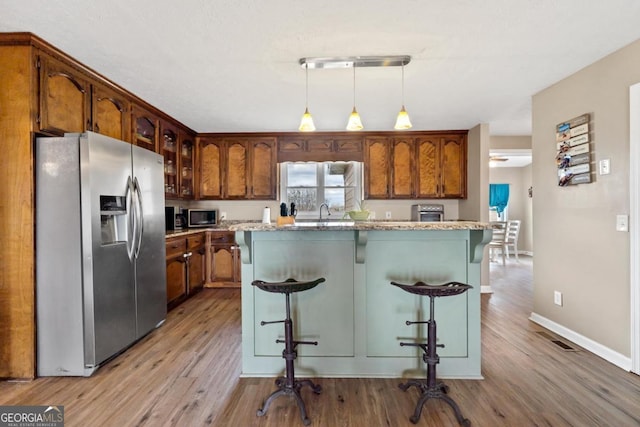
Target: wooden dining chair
point(498, 240)
point(511, 237)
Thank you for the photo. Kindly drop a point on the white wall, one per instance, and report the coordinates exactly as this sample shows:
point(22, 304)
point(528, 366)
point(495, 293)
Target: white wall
point(578, 251)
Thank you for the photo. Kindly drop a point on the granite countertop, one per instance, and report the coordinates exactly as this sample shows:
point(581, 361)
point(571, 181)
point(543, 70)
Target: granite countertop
point(223, 226)
point(362, 225)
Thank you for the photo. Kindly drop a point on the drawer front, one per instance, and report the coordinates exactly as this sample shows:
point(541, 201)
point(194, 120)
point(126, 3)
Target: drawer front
point(218, 237)
point(196, 241)
point(177, 246)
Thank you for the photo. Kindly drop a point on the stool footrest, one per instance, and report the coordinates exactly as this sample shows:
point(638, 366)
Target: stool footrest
point(271, 321)
point(414, 344)
point(298, 342)
point(417, 322)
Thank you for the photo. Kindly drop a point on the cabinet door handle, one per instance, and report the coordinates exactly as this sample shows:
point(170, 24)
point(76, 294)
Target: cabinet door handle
point(96, 128)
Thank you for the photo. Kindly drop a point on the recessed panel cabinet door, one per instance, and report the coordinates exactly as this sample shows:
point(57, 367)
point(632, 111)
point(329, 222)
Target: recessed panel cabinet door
point(263, 168)
point(454, 159)
point(428, 167)
point(402, 168)
point(197, 263)
point(111, 113)
point(176, 280)
point(222, 263)
point(376, 171)
point(64, 98)
point(237, 161)
point(210, 163)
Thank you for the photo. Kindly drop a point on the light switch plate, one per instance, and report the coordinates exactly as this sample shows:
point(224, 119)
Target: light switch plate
point(622, 222)
point(605, 167)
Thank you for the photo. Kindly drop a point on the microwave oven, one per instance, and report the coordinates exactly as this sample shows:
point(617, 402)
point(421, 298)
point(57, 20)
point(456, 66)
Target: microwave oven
point(202, 217)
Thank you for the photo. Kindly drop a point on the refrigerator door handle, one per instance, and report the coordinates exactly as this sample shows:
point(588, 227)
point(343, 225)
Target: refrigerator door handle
point(139, 216)
point(131, 233)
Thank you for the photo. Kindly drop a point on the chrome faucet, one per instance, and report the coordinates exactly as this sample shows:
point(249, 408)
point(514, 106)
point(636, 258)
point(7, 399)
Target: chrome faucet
point(328, 211)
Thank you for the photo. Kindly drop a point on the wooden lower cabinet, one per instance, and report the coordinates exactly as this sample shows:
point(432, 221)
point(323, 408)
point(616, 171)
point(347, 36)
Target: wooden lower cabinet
point(197, 262)
point(176, 271)
point(224, 261)
point(186, 266)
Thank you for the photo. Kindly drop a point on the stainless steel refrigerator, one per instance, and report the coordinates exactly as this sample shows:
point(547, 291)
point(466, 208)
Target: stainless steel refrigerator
point(100, 250)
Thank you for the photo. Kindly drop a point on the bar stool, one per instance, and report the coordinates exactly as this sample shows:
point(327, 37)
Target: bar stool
point(288, 385)
point(431, 388)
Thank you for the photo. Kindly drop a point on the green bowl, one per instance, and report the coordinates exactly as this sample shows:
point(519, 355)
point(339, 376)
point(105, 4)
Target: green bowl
point(359, 215)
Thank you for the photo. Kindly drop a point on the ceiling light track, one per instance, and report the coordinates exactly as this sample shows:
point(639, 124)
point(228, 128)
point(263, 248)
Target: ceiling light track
point(355, 61)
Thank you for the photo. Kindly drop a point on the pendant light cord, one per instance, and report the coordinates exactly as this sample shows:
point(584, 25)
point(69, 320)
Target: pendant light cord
point(306, 94)
point(403, 85)
point(354, 85)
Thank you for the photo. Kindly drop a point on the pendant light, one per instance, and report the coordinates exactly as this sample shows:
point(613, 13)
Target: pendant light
point(402, 121)
point(306, 123)
point(354, 118)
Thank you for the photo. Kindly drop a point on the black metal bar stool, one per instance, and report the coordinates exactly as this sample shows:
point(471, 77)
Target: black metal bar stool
point(431, 388)
point(288, 385)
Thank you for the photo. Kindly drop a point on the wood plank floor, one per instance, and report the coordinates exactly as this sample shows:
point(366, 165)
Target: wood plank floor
point(187, 374)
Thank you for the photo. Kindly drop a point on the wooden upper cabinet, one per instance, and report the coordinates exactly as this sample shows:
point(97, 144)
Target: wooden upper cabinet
point(263, 184)
point(402, 168)
point(145, 128)
point(376, 168)
point(210, 163)
point(169, 149)
point(65, 98)
point(110, 113)
point(428, 167)
point(348, 145)
point(319, 148)
point(186, 147)
point(454, 166)
point(237, 153)
point(237, 168)
point(441, 166)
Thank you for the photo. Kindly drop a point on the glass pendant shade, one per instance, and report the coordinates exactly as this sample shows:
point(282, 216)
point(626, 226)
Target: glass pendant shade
point(355, 123)
point(306, 123)
point(402, 121)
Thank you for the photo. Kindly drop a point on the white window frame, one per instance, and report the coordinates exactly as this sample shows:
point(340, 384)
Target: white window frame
point(358, 173)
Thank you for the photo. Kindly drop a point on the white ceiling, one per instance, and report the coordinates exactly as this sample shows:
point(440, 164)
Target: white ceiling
point(510, 158)
point(227, 66)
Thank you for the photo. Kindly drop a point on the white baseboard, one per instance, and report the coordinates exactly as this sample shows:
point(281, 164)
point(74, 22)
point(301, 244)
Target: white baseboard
point(596, 348)
point(486, 289)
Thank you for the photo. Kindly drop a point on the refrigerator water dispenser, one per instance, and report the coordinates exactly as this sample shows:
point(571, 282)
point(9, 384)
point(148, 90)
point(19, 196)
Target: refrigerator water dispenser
point(113, 219)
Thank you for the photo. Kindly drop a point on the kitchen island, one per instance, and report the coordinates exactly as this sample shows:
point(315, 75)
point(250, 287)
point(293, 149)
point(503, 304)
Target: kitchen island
point(356, 316)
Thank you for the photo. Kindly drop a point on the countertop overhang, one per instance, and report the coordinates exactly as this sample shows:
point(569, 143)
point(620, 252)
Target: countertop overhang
point(362, 226)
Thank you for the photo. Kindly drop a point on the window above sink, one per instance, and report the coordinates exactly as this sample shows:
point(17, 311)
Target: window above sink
point(310, 184)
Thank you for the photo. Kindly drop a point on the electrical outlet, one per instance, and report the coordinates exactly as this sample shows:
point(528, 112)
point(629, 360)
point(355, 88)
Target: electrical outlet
point(557, 298)
point(223, 215)
point(387, 215)
point(605, 168)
